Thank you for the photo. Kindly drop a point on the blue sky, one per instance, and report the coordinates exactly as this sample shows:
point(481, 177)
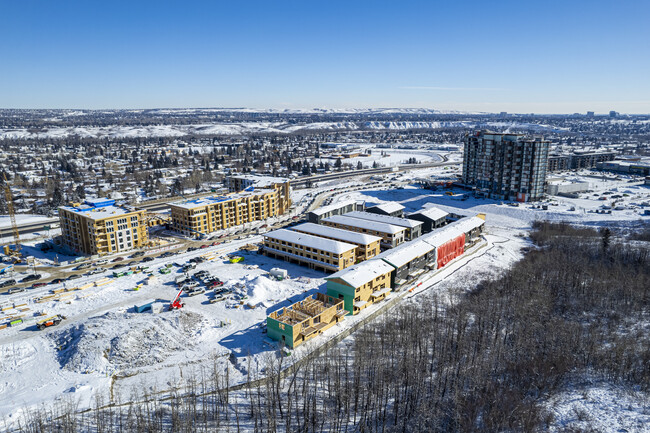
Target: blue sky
point(516, 56)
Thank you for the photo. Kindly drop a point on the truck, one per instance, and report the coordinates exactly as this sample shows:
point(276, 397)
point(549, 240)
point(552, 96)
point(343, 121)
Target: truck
point(50, 321)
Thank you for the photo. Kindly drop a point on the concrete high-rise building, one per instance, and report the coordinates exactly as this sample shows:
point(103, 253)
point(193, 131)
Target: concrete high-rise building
point(100, 227)
point(505, 166)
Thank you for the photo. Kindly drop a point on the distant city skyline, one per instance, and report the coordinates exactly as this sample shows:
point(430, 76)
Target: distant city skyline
point(533, 57)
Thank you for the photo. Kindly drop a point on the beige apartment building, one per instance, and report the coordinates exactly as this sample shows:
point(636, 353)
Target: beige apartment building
point(318, 253)
point(101, 227)
point(252, 203)
point(252, 182)
point(368, 245)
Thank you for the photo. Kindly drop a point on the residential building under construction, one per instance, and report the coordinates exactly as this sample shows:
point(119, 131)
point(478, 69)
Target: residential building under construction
point(101, 227)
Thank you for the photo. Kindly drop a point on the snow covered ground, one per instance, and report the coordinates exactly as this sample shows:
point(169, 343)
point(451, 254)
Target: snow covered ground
point(243, 128)
point(105, 347)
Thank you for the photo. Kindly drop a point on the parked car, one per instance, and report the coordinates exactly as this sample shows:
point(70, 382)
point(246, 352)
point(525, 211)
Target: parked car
point(57, 281)
point(31, 277)
point(204, 246)
point(101, 262)
point(215, 243)
point(148, 259)
point(7, 283)
point(189, 285)
point(213, 283)
point(137, 254)
point(192, 249)
point(117, 259)
point(96, 271)
point(83, 266)
point(201, 274)
point(74, 277)
point(35, 285)
point(195, 291)
point(15, 290)
point(119, 265)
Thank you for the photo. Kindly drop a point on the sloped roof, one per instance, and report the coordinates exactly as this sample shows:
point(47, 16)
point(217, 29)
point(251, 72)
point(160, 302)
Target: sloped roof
point(359, 274)
point(401, 222)
point(365, 224)
point(310, 241)
point(333, 232)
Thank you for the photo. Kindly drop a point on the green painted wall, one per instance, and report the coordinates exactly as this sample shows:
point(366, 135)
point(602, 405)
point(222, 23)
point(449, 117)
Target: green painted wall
point(273, 331)
point(335, 289)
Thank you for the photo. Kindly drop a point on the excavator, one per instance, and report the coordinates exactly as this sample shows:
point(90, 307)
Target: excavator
point(176, 303)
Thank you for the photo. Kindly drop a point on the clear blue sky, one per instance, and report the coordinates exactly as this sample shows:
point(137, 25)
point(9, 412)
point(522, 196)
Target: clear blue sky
point(516, 56)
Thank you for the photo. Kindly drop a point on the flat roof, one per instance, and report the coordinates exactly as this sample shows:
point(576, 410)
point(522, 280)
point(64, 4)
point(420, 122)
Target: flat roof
point(389, 207)
point(311, 241)
point(333, 232)
point(402, 254)
point(365, 224)
point(331, 207)
point(359, 274)
point(442, 235)
point(433, 213)
point(261, 181)
point(103, 210)
point(402, 222)
point(467, 224)
point(205, 201)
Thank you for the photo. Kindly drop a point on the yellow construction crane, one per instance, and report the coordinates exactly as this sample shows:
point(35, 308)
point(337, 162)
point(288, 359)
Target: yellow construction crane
point(12, 216)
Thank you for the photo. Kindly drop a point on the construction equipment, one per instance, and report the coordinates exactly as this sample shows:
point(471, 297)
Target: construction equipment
point(176, 303)
point(50, 321)
point(12, 216)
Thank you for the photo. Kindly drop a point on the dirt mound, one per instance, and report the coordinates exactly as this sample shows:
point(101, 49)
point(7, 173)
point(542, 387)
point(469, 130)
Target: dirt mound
point(117, 341)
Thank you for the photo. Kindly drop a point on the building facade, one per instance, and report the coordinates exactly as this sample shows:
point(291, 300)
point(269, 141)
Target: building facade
point(206, 215)
point(102, 227)
point(369, 246)
point(305, 320)
point(413, 227)
point(312, 251)
point(361, 285)
point(505, 166)
point(575, 161)
point(318, 215)
point(252, 182)
point(391, 209)
point(432, 218)
point(391, 235)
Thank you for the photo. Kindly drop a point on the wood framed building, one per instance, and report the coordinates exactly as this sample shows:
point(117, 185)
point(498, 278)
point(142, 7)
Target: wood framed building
point(101, 227)
point(391, 235)
point(413, 227)
point(315, 252)
point(361, 285)
point(369, 245)
point(305, 320)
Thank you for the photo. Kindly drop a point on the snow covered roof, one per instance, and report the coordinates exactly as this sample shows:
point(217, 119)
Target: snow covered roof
point(433, 213)
point(333, 232)
point(404, 253)
point(310, 241)
point(467, 224)
point(331, 207)
point(442, 236)
point(365, 224)
point(100, 208)
point(359, 274)
point(401, 222)
point(200, 202)
point(389, 207)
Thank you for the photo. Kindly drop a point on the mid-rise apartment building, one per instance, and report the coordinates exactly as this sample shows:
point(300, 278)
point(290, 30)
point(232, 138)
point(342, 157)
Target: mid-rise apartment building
point(101, 227)
point(505, 166)
point(253, 182)
point(391, 235)
point(206, 215)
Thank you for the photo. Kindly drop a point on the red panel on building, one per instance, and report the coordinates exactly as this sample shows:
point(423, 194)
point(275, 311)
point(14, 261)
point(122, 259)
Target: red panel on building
point(450, 250)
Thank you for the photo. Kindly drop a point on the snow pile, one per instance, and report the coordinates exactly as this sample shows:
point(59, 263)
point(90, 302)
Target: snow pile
point(262, 291)
point(116, 341)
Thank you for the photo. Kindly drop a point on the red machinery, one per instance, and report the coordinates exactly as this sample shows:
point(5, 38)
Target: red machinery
point(176, 303)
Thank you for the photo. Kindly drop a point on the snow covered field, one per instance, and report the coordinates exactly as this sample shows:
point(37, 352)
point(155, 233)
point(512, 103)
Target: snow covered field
point(105, 347)
point(243, 128)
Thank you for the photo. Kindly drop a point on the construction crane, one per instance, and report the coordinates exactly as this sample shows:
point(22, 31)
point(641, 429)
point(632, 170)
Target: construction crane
point(12, 216)
point(176, 303)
